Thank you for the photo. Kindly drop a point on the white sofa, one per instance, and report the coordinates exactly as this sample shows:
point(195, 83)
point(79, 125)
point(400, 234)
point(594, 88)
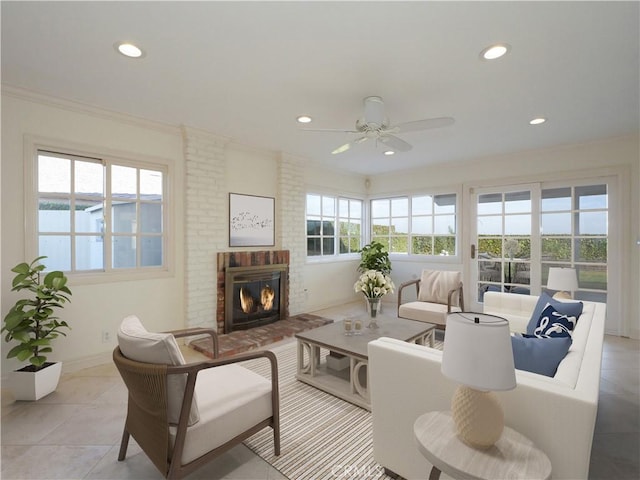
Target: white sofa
point(557, 413)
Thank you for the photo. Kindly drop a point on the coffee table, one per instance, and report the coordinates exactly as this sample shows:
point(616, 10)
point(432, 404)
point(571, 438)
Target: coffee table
point(351, 383)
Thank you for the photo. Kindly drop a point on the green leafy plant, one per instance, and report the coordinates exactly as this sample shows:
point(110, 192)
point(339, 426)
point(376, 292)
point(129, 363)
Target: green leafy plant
point(31, 321)
point(374, 257)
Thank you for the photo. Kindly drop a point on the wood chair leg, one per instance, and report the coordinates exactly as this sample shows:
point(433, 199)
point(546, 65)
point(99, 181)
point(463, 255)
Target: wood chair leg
point(123, 445)
point(276, 440)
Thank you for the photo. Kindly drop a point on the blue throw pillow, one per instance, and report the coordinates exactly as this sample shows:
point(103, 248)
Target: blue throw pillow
point(570, 309)
point(554, 324)
point(539, 355)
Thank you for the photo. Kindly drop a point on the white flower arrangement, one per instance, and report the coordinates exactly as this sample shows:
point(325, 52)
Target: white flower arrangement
point(374, 284)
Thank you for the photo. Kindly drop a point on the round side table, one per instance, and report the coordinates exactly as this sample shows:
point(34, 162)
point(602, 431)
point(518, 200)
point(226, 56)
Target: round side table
point(513, 456)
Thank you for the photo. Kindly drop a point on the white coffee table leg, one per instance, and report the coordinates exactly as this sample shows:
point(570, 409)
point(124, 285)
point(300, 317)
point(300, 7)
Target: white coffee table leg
point(356, 386)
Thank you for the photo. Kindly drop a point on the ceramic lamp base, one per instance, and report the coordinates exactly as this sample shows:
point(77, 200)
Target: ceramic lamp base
point(478, 417)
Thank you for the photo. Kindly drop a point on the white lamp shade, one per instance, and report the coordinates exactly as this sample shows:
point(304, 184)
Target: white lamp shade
point(477, 351)
point(562, 279)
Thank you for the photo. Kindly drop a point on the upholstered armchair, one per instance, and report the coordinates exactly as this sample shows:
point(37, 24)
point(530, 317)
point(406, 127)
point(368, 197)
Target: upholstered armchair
point(184, 415)
point(438, 294)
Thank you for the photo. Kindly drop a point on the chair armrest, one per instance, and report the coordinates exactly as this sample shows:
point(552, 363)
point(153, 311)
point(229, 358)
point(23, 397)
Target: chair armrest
point(189, 332)
point(406, 284)
point(460, 298)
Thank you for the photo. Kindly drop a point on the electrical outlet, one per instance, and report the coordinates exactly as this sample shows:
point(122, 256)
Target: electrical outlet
point(106, 336)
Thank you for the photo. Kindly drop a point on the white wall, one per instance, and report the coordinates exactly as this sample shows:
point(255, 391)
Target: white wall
point(618, 157)
point(95, 307)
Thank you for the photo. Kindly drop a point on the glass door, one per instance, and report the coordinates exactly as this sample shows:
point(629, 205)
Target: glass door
point(518, 232)
point(503, 247)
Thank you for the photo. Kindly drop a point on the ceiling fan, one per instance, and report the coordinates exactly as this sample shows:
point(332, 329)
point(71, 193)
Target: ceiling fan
point(375, 125)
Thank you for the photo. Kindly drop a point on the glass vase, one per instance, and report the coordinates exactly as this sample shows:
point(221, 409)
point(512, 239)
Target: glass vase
point(373, 312)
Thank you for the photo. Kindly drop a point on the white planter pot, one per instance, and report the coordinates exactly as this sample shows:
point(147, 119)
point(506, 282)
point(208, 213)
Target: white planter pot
point(35, 385)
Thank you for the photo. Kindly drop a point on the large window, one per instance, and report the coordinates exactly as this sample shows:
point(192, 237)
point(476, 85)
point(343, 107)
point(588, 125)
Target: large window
point(418, 225)
point(574, 223)
point(334, 225)
point(523, 230)
point(99, 215)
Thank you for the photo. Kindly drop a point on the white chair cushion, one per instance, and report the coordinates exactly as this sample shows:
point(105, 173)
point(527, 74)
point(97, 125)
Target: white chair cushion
point(425, 312)
point(231, 399)
point(136, 343)
point(435, 285)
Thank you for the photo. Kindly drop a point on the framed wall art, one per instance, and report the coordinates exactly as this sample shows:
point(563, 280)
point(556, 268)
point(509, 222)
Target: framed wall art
point(251, 221)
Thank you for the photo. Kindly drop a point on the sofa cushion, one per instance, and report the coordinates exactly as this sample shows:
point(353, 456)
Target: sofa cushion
point(136, 343)
point(554, 324)
point(571, 308)
point(539, 355)
point(435, 286)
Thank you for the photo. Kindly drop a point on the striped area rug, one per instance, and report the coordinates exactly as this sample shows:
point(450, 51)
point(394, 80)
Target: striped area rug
point(322, 436)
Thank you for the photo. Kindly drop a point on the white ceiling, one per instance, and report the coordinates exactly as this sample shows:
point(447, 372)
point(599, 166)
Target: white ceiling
point(246, 70)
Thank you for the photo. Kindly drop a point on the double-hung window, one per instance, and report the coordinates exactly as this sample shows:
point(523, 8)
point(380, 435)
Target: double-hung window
point(99, 214)
point(417, 225)
point(334, 225)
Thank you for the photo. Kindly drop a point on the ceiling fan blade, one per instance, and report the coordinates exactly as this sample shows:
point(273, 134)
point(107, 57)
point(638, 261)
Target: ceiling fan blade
point(347, 146)
point(329, 130)
point(395, 143)
point(422, 124)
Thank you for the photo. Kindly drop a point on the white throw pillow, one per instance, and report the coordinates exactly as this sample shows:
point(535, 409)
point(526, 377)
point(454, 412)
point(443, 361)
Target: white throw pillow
point(136, 343)
point(435, 286)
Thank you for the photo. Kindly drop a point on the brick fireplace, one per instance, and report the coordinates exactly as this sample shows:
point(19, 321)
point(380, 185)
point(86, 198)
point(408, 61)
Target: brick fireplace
point(253, 289)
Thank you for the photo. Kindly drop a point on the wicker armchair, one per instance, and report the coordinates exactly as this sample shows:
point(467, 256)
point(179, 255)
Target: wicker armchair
point(230, 403)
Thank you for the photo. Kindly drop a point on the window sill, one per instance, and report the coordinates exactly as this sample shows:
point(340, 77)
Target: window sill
point(95, 278)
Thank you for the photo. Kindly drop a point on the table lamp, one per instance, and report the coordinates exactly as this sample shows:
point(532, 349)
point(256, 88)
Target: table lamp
point(564, 280)
point(477, 354)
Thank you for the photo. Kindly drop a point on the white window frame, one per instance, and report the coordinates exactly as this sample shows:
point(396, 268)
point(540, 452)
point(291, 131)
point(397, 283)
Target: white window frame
point(617, 190)
point(451, 258)
point(33, 145)
point(336, 219)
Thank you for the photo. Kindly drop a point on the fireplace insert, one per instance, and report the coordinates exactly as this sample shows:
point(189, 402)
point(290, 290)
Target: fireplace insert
point(254, 296)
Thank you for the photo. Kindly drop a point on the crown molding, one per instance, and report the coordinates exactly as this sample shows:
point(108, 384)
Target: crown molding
point(86, 109)
point(188, 131)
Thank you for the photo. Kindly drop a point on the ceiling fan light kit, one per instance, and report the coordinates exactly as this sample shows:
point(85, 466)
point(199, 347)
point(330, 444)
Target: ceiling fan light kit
point(375, 125)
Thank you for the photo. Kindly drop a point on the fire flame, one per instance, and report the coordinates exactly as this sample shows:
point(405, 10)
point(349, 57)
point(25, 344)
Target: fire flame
point(246, 300)
point(266, 297)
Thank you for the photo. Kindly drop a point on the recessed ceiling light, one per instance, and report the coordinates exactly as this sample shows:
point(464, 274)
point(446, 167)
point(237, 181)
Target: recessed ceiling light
point(129, 50)
point(389, 152)
point(537, 121)
point(304, 119)
point(495, 51)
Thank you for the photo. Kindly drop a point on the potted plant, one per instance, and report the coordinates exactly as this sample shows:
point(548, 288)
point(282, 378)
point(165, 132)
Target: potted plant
point(374, 257)
point(33, 324)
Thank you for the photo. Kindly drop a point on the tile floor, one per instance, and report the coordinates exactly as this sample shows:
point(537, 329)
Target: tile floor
point(75, 432)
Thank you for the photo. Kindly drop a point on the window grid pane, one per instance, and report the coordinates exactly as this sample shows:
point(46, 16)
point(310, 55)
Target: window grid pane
point(333, 225)
point(418, 225)
point(575, 236)
point(134, 238)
